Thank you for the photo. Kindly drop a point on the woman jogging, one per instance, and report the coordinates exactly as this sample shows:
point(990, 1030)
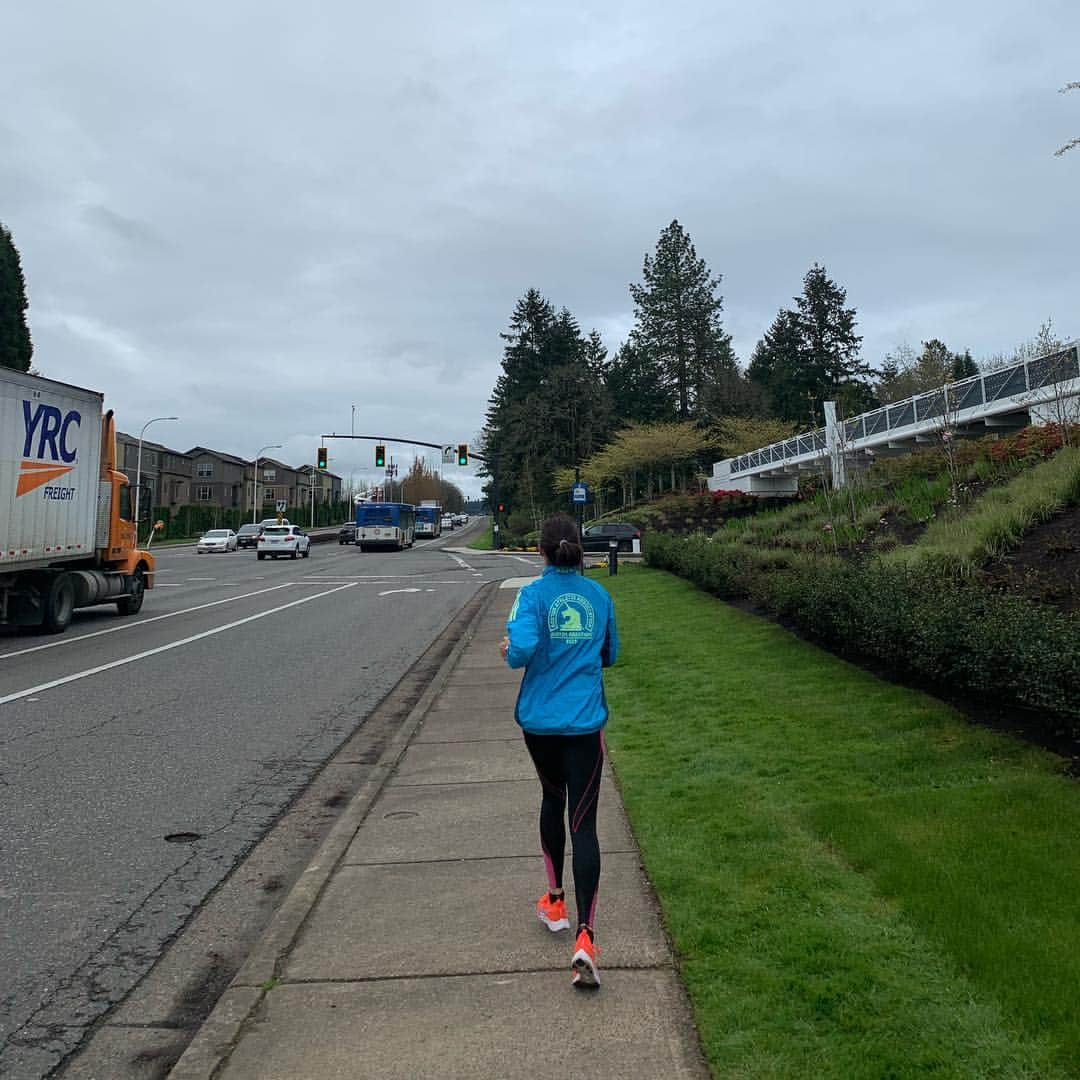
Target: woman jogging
point(562, 631)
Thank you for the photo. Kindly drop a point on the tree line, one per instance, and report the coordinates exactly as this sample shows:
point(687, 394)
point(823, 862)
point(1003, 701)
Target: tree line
point(561, 403)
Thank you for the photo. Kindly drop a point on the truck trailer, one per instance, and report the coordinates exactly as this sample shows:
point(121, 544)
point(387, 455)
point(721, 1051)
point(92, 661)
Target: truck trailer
point(68, 537)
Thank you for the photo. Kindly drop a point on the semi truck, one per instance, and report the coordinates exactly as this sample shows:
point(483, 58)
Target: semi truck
point(68, 536)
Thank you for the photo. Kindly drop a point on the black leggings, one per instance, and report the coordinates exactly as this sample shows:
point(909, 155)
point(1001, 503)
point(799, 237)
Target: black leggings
point(569, 768)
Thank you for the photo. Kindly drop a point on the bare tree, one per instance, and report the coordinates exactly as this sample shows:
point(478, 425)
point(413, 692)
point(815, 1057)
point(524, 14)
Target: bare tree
point(1072, 142)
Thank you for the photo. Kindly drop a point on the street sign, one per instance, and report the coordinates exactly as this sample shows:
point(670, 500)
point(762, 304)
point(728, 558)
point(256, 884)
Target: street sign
point(579, 493)
point(281, 505)
point(448, 453)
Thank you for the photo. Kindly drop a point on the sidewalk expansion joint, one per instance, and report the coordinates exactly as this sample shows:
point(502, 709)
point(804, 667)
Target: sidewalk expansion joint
point(486, 973)
point(475, 858)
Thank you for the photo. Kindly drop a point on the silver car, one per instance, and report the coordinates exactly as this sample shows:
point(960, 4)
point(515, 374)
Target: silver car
point(216, 540)
point(278, 541)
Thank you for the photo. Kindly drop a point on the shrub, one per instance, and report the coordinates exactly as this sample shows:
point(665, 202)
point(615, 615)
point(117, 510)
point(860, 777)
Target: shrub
point(912, 619)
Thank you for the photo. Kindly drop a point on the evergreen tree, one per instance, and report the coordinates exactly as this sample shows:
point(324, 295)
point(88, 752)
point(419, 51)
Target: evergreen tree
point(963, 365)
point(811, 355)
point(637, 388)
point(16, 348)
point(549, 406)
point(832, 368)
point(776, 367)
point(677, 308)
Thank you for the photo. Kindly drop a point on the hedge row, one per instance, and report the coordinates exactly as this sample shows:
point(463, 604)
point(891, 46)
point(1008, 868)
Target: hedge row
point(912, 619)
point(182, 522)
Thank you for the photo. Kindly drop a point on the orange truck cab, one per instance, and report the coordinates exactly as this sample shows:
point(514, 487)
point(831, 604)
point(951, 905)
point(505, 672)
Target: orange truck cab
point(68, 538)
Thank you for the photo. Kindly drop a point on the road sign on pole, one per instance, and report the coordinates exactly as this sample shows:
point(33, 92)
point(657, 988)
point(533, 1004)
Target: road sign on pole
point(448, 453)
point(579, 493)
point(281, 505)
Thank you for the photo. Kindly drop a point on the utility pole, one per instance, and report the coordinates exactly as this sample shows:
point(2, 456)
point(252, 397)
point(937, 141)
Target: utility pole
point(580, 506)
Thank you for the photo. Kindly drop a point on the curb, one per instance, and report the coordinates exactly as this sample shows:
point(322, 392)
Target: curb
point(217, 1036)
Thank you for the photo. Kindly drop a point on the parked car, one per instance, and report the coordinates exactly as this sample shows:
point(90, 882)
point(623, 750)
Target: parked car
point(599, 537)
point(248, 535)
point(216, 540)
point(448, 522)
point(347, 533)
point(460, 519)
point(279, 540)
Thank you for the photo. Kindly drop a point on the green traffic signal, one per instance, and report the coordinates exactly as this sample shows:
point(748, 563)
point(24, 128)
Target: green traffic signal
point(323, 457)
point(463, 454)
point(380, 457)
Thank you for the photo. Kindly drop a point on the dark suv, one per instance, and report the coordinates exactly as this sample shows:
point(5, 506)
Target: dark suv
point(599, 537)
point(247, 536)
point(347, 533)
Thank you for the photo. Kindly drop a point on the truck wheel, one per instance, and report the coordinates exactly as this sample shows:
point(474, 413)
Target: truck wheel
point(57, 603)
point(132, 603)
point(261, 555)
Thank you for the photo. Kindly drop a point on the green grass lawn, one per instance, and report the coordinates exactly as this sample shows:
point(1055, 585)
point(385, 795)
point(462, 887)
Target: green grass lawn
point(857, 881)
point(484, 542)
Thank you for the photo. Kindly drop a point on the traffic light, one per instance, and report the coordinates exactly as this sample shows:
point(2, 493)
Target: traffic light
point(463, 454)
point(380, 457)
point(322, 457)
point(502, 508)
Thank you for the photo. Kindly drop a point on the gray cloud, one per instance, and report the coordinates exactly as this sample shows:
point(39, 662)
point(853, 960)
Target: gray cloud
point(255, 216)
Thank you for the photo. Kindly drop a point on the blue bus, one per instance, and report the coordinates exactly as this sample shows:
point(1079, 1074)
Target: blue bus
point(429, 521)
point(385, 524)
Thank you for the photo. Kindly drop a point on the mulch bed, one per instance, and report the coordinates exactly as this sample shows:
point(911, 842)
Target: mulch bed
point(1046, 566)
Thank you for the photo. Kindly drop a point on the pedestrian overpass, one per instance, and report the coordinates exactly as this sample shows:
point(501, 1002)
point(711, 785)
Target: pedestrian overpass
point(1041, 390)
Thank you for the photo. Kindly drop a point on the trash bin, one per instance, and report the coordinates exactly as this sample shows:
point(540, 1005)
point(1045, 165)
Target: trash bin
point(613, 557)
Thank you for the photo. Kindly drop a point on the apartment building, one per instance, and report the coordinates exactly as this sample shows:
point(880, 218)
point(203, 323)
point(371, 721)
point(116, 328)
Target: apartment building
point(166, 471)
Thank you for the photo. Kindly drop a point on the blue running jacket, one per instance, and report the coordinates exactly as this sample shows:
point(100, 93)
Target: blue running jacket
point(562, 631)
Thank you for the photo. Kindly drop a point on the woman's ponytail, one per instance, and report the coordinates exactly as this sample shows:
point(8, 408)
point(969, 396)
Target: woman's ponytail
point(559, 541)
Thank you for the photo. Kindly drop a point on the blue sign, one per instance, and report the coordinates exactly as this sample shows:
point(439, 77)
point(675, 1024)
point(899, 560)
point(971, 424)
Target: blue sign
point(579, 493)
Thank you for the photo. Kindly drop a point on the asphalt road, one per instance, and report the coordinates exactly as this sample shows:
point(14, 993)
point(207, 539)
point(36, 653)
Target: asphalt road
point(141, 758)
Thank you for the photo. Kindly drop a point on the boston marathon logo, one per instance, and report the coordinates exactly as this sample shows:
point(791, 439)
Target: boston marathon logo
point(571, 618)
point(46, 445)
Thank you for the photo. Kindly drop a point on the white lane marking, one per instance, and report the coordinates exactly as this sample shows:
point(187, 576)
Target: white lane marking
point(322, 580)
point(201, 579)
point(460, 561)
point(390, 592)
point(166, 648)
point(75, 639)
point(168, 585)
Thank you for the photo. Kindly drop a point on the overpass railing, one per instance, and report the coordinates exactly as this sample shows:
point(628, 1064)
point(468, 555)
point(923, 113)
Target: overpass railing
point(1025, 377)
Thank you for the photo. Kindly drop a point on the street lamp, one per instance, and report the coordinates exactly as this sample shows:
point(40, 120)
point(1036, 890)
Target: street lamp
point(255, 492)
point(138, 465)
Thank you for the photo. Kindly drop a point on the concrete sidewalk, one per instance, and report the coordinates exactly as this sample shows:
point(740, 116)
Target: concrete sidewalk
point(410, 948)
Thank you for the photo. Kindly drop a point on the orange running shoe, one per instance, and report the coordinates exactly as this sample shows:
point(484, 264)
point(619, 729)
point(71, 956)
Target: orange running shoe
point(552, 913)
point(586, 973)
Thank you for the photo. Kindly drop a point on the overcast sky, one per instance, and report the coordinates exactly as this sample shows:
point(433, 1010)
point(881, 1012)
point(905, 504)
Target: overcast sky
point(254, 215)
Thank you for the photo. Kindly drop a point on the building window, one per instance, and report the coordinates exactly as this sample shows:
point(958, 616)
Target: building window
point(203, 494)
point(269, 474)
point(204, 469)
point(268, 495)
point(151, 457)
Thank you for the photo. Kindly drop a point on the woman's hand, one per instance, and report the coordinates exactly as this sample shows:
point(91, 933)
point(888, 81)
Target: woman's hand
point(504, 646)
